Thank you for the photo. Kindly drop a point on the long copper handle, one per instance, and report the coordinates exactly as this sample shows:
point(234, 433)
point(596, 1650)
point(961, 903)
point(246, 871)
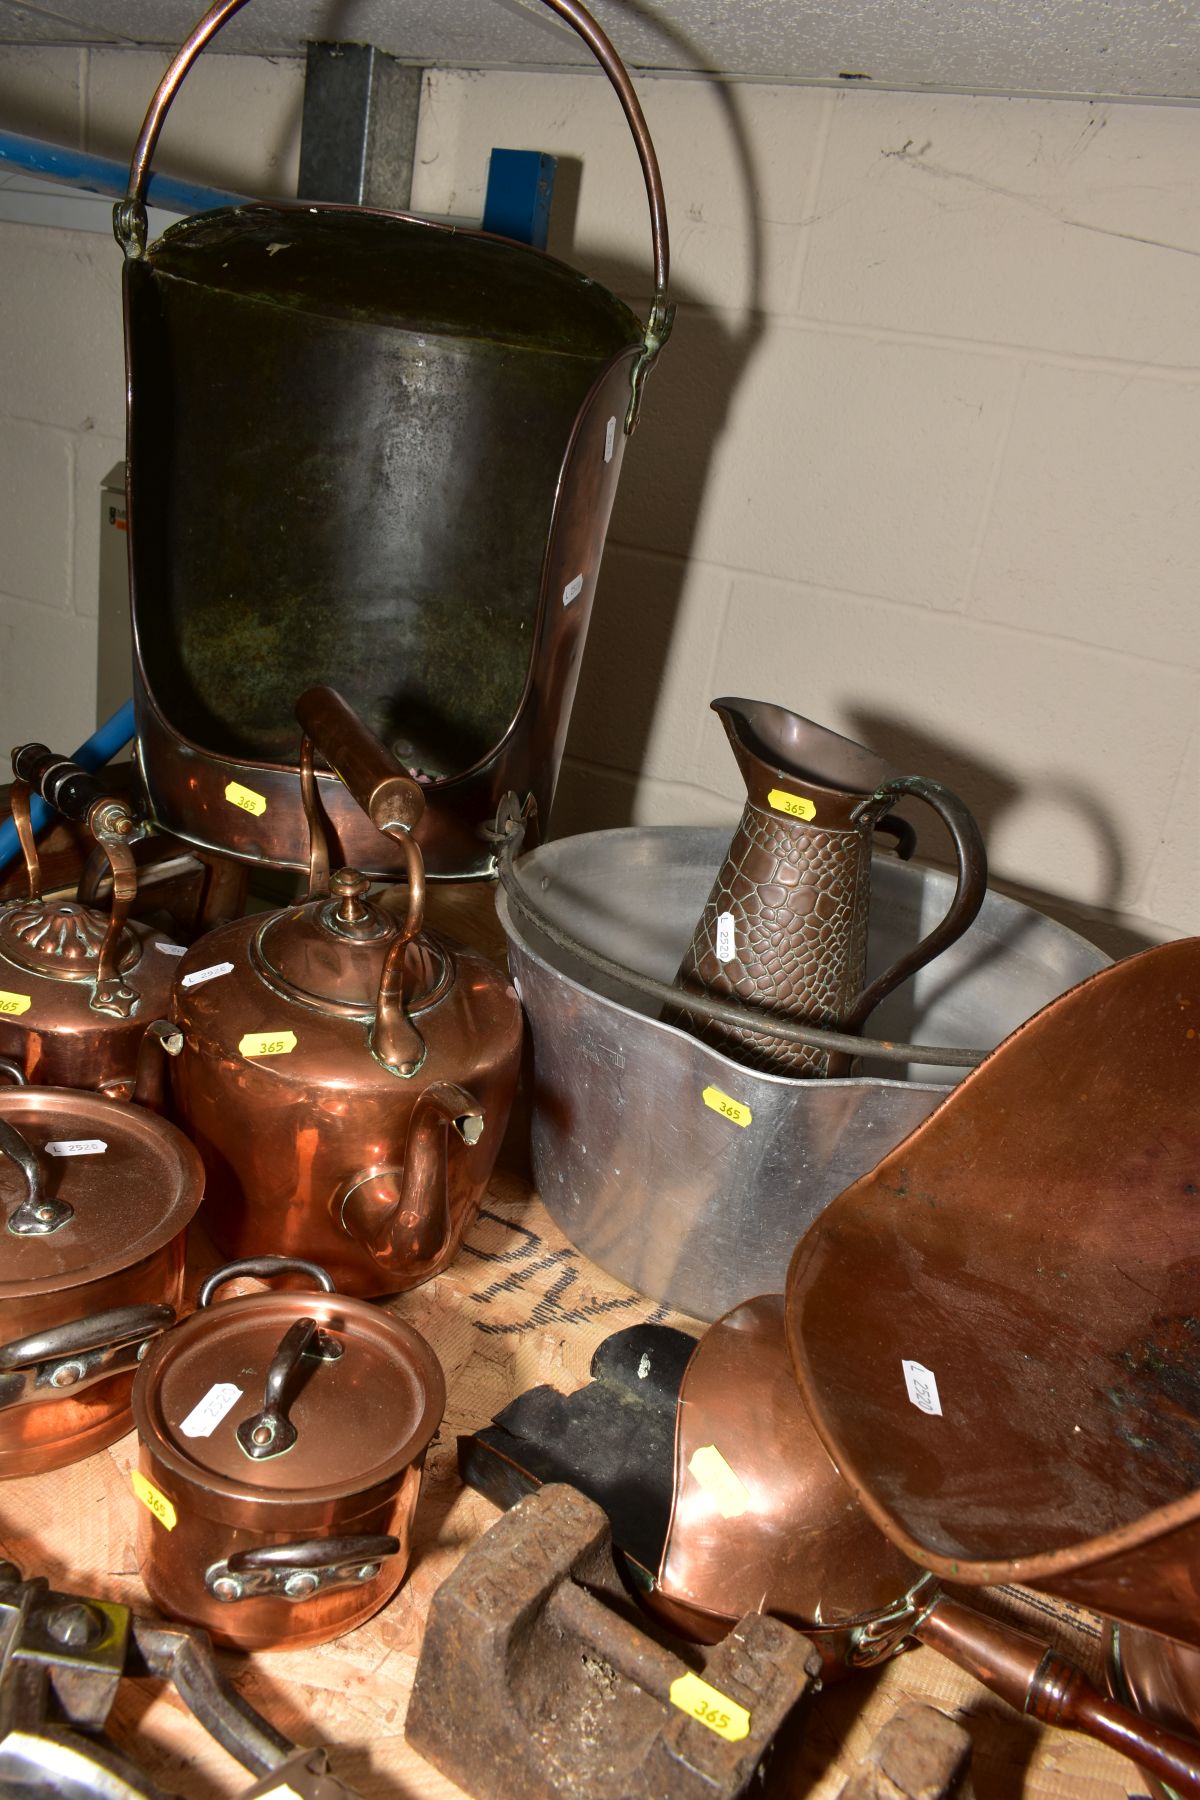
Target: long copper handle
point(391, 799)
point(1038, 1680)
point(130, 216)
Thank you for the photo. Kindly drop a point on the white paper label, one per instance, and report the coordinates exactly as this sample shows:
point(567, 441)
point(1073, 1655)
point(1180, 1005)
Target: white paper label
point(77, 1147)
point(726, 948)
point(610, 438)
point(172, 949)
point(573, 590)
point(207, 1414)
point(922, 1387)
point(199, 976)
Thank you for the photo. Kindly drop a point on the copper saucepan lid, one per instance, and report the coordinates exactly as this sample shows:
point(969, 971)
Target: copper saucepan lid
point(88, 1186)
point(282, 1397)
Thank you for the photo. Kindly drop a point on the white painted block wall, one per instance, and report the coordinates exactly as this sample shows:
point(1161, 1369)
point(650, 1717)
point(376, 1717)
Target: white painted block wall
point(922, 460)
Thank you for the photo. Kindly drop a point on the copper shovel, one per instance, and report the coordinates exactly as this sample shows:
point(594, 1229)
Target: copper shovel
point(997, 1331)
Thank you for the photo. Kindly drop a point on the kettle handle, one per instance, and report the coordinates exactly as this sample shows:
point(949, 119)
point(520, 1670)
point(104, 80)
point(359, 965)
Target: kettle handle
point(129, 216)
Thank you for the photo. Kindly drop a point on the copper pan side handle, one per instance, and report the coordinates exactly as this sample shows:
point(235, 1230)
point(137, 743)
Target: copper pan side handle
point(1037, 1680)
point(263, 1268)
point(129, 216)
point(316, 1553)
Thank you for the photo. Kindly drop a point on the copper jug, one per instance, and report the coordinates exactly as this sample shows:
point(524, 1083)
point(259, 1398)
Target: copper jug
point(785, 926)
point(78, 987)
point(345, 1076)
point(373, 450)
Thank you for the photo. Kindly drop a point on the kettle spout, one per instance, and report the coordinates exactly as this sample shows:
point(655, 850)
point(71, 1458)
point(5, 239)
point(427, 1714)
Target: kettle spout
point(406, 1218)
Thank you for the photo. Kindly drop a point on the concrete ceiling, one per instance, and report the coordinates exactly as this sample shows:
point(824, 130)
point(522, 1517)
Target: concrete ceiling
point(1135, 49)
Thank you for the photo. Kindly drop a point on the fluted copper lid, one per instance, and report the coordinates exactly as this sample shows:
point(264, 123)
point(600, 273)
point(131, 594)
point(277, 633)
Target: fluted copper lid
point(60, 939)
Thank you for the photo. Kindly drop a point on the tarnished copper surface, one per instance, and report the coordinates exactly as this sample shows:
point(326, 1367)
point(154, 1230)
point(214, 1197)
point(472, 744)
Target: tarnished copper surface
point(785, 926)
point(122, 1246)
point(1031, 1249)
point(365, 1139)
point(362, 1418)
point(376, 363)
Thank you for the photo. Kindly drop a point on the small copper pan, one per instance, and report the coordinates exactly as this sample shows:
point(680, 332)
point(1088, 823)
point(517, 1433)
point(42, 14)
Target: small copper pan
point(95, 1199)
point(997, 1331)
point(282, 1439)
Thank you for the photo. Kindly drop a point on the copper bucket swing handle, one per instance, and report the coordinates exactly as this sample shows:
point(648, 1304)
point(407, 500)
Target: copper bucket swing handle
point(129, 216)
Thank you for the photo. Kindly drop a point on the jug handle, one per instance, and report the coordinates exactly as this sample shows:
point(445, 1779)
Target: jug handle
point(129, 215)
point(114, 826)
point(969, 893)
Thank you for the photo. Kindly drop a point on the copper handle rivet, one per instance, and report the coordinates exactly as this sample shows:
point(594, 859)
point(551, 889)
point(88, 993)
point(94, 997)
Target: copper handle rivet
point(66, 1375)
point(227, 1587)
point(262, 1434)
point(299, 1586)
point(368, 1572)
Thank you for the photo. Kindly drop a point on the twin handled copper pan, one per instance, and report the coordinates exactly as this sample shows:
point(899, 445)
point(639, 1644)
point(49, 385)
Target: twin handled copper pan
point(282, 1439)
point(95, 1199)
point(366, 449)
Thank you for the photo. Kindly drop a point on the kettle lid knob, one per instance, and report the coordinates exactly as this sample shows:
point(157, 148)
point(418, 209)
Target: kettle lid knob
point(349, 888)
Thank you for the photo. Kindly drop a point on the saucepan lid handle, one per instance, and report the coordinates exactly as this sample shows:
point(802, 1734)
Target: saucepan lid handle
point(37, 1214)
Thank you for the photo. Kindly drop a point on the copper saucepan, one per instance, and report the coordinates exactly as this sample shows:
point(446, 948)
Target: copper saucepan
point(95, 1198)
point(282, 1439)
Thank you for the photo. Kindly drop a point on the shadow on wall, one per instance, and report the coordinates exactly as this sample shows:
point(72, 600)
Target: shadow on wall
point(990, 793)
point(663, 482)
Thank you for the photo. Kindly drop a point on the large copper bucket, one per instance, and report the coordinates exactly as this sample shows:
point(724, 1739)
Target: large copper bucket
point(373, 451)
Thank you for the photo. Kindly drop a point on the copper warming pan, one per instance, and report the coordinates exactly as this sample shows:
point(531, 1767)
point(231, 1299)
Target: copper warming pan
point(371, 450)
point(282, 1439)
point(997, 1331)
point(95, 1198)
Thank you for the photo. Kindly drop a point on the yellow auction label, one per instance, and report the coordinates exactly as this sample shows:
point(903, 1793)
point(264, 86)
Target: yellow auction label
point(149, 1496)
point(721, 1483)
point(268, 1043)
point(246, 799)
point(728, 1109)
point(794, 805)
point(15, 1003)
point(711, 1707)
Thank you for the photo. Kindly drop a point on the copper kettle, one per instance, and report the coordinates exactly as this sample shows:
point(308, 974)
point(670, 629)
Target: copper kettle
point(345, 1075)
point(79, 986)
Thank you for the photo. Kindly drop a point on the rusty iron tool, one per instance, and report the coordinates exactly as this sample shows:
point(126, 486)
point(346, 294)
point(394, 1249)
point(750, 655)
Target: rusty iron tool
point(920, 1754)
point(534, 1681)
point(62, 1659)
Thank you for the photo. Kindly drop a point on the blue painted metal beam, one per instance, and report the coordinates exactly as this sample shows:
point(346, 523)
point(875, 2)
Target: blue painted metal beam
point(520, 187)
point(104, 175)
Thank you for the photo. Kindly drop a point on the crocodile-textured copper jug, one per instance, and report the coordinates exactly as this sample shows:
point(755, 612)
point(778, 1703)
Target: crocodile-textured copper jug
point(372, 450)
point(785, 926)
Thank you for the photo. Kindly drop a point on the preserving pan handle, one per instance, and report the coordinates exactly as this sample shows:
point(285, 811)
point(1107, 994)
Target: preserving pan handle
point(129, 215)
point(37, 1215)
